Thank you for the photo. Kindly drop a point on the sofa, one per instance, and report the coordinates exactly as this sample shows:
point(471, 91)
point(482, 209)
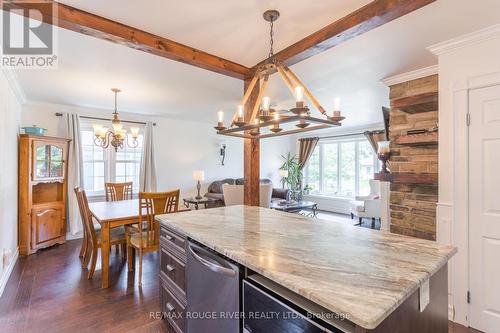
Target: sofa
point(214, 190)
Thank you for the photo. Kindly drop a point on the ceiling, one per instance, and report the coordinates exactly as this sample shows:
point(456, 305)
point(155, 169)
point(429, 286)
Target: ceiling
point(89, 67)
point(224, 27)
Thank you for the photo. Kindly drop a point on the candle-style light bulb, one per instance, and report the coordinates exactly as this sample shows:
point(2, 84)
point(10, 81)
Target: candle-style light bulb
point(336, 108)
point(266, 102)
point(240, 111)
point(220, 116)
point(276, 119)
point(336, 104)
point(299, 94)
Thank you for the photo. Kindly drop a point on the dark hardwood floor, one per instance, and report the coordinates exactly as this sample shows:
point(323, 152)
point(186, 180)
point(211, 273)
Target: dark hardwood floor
point(49, 292)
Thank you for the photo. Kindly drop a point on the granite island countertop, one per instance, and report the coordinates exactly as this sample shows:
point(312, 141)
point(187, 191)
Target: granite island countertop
point(365, 274)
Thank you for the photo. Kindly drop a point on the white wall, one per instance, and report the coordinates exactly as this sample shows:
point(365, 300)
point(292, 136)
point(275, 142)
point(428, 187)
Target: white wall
point(10, 113)
point(180, 147)
point(467, 62)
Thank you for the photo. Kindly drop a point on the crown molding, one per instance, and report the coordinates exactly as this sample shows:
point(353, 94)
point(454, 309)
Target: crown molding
point(466, 40)
point(408, 76)
point(13, 80)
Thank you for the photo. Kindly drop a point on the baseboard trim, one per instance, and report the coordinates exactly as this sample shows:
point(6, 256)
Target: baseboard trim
point(6, 275)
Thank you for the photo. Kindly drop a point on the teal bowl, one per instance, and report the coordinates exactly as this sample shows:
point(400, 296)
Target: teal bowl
point(34, 130)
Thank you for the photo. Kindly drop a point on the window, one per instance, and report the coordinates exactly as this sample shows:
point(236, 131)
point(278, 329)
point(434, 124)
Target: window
point(101, 165)
point(341, 168)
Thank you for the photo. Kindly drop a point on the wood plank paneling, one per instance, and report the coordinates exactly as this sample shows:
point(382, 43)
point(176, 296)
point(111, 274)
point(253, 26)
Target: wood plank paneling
point(423, 139)
point(414, 158)
point(426, 102)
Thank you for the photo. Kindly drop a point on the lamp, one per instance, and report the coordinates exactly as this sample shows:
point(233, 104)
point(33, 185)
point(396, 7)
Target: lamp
point(198, 175)
point(283, 174)
point(384, 153)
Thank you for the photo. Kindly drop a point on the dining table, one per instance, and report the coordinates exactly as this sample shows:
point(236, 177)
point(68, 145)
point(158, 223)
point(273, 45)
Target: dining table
point(113, 214)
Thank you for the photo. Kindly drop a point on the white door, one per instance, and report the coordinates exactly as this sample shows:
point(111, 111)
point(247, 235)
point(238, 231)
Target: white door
point(484, 209)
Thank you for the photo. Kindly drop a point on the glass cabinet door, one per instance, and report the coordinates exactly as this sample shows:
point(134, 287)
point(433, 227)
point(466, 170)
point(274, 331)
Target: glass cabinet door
point(56, 162)
point(48, 161)
point(42, 158)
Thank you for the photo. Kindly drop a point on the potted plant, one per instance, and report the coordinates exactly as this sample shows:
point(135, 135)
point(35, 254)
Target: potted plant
point(294, 178)
point(307, 189)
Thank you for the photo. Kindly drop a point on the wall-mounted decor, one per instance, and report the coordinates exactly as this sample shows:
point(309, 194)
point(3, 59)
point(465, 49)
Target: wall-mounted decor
point(222, 152)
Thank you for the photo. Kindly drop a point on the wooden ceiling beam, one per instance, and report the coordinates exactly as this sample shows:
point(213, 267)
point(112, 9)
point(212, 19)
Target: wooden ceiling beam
point(368, 17)
point(92, 25)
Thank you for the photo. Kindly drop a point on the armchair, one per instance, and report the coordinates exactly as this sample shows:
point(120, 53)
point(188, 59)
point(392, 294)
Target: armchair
point(233, 194)
point(368, 206)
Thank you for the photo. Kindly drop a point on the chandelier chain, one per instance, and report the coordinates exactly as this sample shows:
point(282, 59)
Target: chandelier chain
point(271, 39)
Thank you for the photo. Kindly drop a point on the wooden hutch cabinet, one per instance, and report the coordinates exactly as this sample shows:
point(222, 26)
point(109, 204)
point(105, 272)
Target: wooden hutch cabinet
point(42, 192)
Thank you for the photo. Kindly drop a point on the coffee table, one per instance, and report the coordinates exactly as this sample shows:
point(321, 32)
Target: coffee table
point(296, 207)
point(196, 202)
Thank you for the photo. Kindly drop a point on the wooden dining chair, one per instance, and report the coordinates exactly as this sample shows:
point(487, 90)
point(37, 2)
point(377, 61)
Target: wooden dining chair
point(145, 237)
point(118, 191)
point(84, 252)
point(94, 238)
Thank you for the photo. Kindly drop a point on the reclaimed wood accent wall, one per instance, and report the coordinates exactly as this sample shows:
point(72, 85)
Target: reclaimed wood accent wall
point(414, 160)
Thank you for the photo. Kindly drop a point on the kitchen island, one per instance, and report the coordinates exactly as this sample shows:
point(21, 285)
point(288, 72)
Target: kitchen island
point(374, 281)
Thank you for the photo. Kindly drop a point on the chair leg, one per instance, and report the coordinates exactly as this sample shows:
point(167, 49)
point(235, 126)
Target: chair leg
point(83, 249)
point(373, 223)
point(352, 216)
point(360, 221)
point(140, 267)
point(88, 253)
point(93, 263)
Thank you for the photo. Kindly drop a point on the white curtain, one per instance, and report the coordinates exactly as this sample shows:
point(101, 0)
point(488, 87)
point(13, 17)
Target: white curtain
point(75, 170)
point(147, 178)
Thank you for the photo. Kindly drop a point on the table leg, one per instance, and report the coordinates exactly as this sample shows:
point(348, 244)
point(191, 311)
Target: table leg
point(186, 204)
point(315, 210)
point(105, 255)
point(196, 206)
point(130, 250)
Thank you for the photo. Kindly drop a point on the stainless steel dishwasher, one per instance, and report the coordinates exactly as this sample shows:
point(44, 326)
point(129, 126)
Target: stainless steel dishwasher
point(212, 292)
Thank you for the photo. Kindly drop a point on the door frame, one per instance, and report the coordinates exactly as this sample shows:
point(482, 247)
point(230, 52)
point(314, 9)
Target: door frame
point(453, 221)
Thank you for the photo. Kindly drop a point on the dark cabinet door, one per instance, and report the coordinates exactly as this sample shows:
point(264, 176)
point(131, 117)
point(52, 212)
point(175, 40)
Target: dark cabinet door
point(47, 225)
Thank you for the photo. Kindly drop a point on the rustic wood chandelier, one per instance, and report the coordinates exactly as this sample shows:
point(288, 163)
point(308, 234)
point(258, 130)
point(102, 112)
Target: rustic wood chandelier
point(117, 137)
point(263, 116)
